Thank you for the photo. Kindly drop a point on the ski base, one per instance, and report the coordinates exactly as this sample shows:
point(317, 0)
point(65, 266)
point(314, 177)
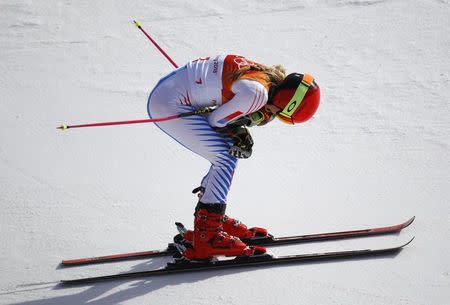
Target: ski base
point(252, 261)
point(268, 241)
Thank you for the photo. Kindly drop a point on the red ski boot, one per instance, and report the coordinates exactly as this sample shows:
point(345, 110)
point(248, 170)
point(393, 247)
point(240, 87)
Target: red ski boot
point(231, 226)
point(237, 228)
point(210, 240)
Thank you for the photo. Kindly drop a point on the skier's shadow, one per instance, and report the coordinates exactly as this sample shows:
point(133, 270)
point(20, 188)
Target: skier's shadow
point(97, 293)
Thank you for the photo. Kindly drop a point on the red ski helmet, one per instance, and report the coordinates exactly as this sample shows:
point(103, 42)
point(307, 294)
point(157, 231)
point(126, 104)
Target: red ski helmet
point(298, 97)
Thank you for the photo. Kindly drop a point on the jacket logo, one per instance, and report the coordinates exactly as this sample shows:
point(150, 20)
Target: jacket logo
point(292, 106)
point(242, 62)
point(199, 81)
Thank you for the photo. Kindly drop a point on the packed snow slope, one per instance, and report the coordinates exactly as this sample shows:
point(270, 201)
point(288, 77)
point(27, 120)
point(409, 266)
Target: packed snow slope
point(376, 153)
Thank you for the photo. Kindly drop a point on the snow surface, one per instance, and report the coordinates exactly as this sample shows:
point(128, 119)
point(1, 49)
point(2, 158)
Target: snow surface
point(376, 153)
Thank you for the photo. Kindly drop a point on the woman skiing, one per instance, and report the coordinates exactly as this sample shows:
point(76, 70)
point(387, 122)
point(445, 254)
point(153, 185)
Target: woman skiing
point(240, 93)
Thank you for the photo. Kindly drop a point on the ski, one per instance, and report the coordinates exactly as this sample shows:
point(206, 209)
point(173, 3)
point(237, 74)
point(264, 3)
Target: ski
point(180, 266)
point(266, 241)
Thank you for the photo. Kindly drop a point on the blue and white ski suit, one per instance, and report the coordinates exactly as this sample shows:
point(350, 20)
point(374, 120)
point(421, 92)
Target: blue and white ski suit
point(201, 83)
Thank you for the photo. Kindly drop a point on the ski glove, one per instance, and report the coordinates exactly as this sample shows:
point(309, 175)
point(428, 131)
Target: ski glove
point(242, 141)
point(260, 117)
point(257, 118)
point(240, 152)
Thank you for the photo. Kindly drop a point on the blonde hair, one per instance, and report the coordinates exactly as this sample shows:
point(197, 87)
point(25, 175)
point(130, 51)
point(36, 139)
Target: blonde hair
point(276, 74)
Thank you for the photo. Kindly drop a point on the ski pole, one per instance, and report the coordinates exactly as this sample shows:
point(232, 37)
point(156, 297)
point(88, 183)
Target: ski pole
point(155, 44)
point(172, 117)
point(181, 115)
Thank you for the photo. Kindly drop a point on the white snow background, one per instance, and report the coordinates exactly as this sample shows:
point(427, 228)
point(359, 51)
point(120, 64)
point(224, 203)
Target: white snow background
point(376, 153)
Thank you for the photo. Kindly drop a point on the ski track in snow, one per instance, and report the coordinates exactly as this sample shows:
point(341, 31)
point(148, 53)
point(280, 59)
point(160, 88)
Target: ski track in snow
point(376, 152)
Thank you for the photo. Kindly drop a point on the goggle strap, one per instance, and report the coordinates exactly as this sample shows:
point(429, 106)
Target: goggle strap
point(308, 80)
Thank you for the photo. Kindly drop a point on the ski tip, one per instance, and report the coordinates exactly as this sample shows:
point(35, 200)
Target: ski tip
point(399, 247)
point(410, 221)
point(408, 242)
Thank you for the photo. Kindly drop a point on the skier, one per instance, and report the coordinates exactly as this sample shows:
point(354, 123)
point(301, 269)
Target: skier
point(241, 94)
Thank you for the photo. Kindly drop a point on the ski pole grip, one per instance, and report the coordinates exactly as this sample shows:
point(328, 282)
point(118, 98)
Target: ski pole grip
point(196, 112)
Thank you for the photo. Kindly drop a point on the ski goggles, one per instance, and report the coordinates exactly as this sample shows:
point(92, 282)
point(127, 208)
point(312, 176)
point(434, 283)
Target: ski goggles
point(286, 114)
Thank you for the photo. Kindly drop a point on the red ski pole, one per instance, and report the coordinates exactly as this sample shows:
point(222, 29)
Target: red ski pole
point(172, 117)
point(155, 44)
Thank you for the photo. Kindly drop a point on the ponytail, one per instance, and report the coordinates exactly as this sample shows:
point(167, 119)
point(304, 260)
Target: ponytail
point(276, 74)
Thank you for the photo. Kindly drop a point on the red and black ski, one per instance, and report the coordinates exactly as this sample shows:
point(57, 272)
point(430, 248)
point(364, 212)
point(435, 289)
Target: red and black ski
point(267, 241)
point(180, 266)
